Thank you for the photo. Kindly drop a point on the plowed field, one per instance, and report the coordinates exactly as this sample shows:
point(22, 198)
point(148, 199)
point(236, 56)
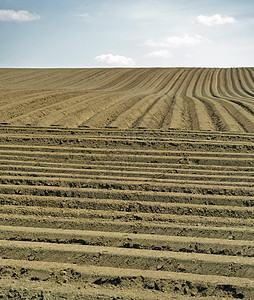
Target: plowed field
point(127, 184)
point(177, 98)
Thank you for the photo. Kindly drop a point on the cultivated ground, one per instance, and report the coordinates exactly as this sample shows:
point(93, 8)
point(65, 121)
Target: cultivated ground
point(127, 183)
point(177, 98)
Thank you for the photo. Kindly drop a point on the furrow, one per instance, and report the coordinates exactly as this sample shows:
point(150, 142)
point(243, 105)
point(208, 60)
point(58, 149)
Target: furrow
point(129, 240)
point(107, 116)
point(131, 166)
point(177, 159)
point(249, 79)
point(228, 122)
point(127, 133)
point(178, 106)
point(116, 151)
point(59, 179)
point(199, 263)
point(43, 214)
point(118, 283)
point(109, 201)
point(141, 223)
point(103, 183)
point(241, 83)
point(8, 170)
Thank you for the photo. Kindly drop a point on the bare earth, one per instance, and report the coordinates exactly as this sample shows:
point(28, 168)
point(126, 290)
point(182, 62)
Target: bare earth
point(127, 183)
point(177, 98)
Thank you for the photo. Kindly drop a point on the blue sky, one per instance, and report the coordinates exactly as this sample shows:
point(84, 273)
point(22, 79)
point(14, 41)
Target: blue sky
point(111, 33)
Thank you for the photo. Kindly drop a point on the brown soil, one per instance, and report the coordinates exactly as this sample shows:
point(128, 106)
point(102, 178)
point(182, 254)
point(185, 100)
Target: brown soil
point(159, 98)
point(154, 200)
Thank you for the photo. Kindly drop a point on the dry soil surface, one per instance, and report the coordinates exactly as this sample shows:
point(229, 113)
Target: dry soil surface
point(159, 98)
point(154, 200)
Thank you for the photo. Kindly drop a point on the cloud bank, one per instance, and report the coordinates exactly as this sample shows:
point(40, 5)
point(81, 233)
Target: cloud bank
point(214, 20)
point(7, 15)
point(115, 60)
point(177, 41)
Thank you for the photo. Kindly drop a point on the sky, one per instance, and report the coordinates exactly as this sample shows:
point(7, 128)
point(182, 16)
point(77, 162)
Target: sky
point(133, 33)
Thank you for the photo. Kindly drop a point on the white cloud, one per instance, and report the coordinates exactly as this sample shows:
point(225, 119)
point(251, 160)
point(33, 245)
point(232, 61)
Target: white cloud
point(84, 16)
point(115, 60)
point(7, 15)
point(162, 53)
point(215, 20)
point(177, 41)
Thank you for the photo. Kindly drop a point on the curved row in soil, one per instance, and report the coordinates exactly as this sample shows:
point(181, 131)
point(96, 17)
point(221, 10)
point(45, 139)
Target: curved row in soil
point(160, 98)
